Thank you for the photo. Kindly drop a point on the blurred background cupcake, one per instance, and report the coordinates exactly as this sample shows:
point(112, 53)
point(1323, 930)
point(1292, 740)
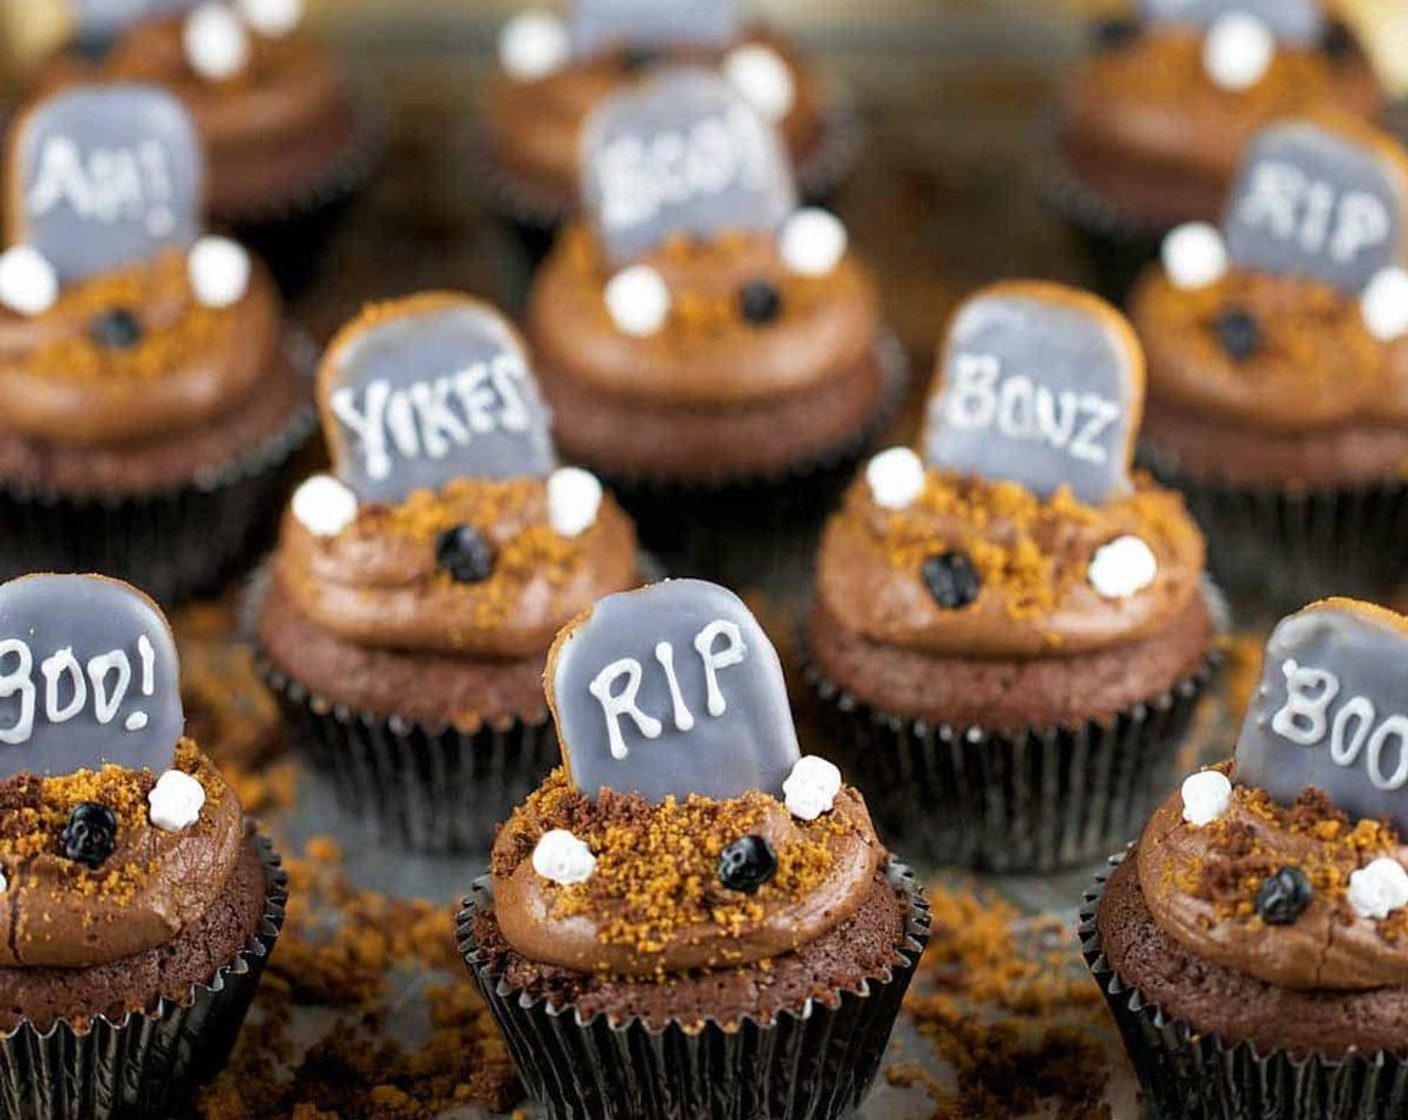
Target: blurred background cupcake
point(404, 620)
point(555, 71)
point(287, 141)
point(1154, 123)
point(712, 350)
point(1278, 365)
point(152, 395)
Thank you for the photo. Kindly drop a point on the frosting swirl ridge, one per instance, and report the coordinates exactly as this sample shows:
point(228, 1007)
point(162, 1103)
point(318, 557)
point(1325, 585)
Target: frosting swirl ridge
point(654, 905)
point(377, 583)
point(1032, 556)
point(59, 913)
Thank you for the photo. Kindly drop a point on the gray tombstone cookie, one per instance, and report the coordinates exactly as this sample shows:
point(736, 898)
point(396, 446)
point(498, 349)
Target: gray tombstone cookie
point(1041, 385)
point(1332, 711)
point(1296, 22)
point(671, 690)
point(88, 676)
point(98, 20)
point(596, 24)
point(684, 153)
point(105, 176)
point(429, 389)
point(1319, 203)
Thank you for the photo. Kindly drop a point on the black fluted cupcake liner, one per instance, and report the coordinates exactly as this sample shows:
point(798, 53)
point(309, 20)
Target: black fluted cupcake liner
point(757, 531)
point(536, 215)
point(176, 543)
point(1188, 1074)
point(1279, 549)
point(1118, 244)
point(1029, 801)
point(293, 235)
point(815, 1063)
point(422, 787)
point(151, 1062)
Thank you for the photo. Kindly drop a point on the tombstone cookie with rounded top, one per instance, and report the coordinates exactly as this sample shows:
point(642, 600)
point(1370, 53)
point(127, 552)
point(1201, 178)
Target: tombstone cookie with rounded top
point(88, 676)
point(101, 177)
point(1323, 202)
point(1041, 385)
point(421, 391)
point(1294, 22)
point(671, 690)
point(1332, 711)
point(684, 153)
point(598, 24)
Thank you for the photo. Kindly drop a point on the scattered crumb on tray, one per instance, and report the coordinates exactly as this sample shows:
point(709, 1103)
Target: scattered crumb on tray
point(1007, 1006)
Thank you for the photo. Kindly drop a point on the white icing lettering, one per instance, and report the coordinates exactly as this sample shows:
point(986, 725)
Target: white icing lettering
point(112, 185)
point(639, 177)
point(69, 684)
point(1304, 719)
point(105, 702)
point(55, 667)
point(147, 655)
point(17, 682)
point(732, 654)
point(1395, 728)
point(684, 718)
point(618, 703)
point(366, 425)
point(1285, 203)
point(432, 418)
point(980, 398)
point(617, 687)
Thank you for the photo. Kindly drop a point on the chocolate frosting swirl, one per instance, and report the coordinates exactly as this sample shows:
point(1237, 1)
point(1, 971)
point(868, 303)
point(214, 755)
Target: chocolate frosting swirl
point(654, 905)
point(377, 583)
point(270, 130)
point(192, 363)
point(1316, 366)
point(706, 352)
point(58, 913)
point(1201, 882)
point(1032, 556)
point(1148, 125)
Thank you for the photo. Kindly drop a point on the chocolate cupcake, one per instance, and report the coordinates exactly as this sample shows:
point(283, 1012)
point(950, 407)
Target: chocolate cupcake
point(714, 352)
point(150, 396)
point(1010, 635)
point(555, 73)
point(689, 919)
point(1278, 364)
point(141, 906)
point(406, 616)
point(288, 143)
point(1156, 119)
point(1253, 944)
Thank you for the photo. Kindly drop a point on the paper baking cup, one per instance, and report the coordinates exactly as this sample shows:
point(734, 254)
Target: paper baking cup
point(176, 543)
point(293, 235)
point(1035, 800)
point(423, 787)
point(757, 530)
point(1282, 549)
point(1118, 244)
point(1190, 1074)
point(149, 1063)
point(814, 1063)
